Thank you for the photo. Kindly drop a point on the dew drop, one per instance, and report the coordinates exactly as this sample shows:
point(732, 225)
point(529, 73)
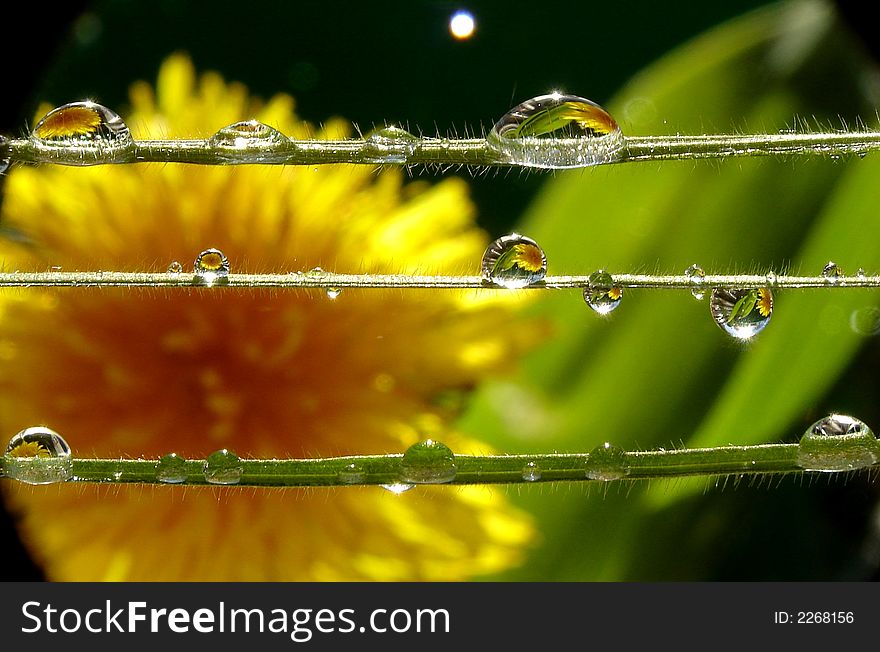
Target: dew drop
point(174, 267)
point(838, 443)
point(252, 136)
point(832, 273)
point(398, 488)
point(351, 473)
point(771, 278)
point(171, 469)
point(212, 268)
point(696, 274)
point(223, 467)
point(428, 462)
point(514, 261)
point(607, 462)
point(86, 125)
point(390, 145)
point(333, 293)
point(602, 295)
point(38, 455)
point(861, 274)
point(531, 472)
point(557, 131)
point(247, 134)
point(742, 313)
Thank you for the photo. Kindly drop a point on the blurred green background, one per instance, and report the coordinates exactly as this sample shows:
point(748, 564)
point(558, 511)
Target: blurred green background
point(658, 372)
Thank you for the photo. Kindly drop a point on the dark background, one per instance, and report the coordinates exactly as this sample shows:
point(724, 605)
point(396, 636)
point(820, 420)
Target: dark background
point(371, 62)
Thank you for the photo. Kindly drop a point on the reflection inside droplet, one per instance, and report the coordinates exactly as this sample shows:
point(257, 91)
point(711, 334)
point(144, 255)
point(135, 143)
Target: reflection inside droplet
point(557, 131)
point(212, 268)
point(38, 455)
point(514, 261)
point(602, 295)
point(741, 313)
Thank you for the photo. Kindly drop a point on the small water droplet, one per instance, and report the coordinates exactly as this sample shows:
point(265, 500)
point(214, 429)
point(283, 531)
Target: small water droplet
point(557, 131)
point(838, 443)
point(772, 278)
point(696, 274)
point(223, 467)
point(86, 125)
point(246, 135)
point(174, 267)
point(333, 293)
point(428, 462)
point(832, 272)
point(390, 145)
point(397, 488)
point(317, 272)
point(212, 268)
point(742, 313)
point(861, 273)
point(38, 455)
point(351, 473)
point(607, 462)
point(171, 469)
point(531, 472)
point(602, 295)
point(514, 261)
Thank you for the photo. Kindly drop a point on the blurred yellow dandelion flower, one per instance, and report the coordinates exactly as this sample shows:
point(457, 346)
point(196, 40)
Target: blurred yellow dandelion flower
point(266, 374)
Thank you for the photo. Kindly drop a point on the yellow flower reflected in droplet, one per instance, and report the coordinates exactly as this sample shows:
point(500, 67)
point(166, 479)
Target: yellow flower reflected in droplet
point(266, 374)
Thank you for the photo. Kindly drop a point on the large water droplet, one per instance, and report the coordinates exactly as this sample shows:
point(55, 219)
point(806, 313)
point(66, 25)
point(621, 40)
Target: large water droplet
point(832, 272)
point(398, 488)
point(531, 472)
point(249, 134)
point(428, 462)
point(86, 125)
point(223, 467)
point(171, 469)
point(38, 455)
point(602, 295)
point(390, 145)
point(838, 443)
point(696, 274)
point(742, 313)
point(557, 131)
point(514, 261)
point(212, 268)
point(607, 462)
point(351, 473)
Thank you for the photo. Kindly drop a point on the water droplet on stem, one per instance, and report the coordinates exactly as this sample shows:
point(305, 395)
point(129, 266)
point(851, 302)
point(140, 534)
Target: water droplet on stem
point(696, 274)
point(38, 455)
point(832, 273)
point(428, 462)
point(171, 469)
point(389, 145)
point(223, 467)
point(741, 313)
point(602, 295)
point(557, 131)
point(531, 472)
point(514, 261)
point(86, 125)
point(838, 443)
point(607, 462)
point(211, 268)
